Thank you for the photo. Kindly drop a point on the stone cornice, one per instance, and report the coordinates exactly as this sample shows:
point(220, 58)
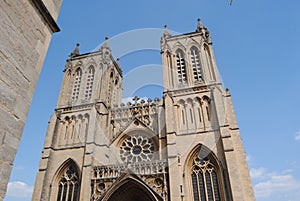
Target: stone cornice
point(75, 108)
point(40, 6)
point(194, 89)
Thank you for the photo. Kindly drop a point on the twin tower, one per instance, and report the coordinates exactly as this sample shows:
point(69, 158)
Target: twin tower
point(183, 147)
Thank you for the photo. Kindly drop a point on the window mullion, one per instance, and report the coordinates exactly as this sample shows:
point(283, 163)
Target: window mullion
point(62, 194)
point(72, 196)
point(198, 187)
point(212, 186)
point(205, 184)
point(68, 186)
point(62, 190)
point(181, 69)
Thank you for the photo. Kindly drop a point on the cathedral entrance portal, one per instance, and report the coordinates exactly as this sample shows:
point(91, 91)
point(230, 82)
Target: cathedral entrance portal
point(132, 191)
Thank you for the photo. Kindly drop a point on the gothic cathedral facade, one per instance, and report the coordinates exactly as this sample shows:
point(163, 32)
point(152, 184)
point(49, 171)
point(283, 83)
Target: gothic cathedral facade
point(183, 147)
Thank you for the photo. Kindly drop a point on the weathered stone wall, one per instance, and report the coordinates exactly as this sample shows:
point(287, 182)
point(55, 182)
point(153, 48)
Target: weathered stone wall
point(24, 40)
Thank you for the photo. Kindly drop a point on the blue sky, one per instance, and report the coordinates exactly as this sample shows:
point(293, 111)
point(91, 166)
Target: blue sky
point(257, 49)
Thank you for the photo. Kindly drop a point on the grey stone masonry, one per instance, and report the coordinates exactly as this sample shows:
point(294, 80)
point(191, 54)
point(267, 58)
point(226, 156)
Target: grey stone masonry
point(26, 28)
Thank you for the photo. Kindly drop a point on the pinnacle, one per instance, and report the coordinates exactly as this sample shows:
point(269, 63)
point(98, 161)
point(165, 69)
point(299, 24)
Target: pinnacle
point(75, 51)
point(166, 32)
point(105, 44)
point(200, 25)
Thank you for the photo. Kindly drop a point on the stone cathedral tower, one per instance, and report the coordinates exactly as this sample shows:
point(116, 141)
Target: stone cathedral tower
point(184, 147)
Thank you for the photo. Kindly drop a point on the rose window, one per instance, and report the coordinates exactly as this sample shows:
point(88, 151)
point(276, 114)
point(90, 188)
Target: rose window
point(137, 149)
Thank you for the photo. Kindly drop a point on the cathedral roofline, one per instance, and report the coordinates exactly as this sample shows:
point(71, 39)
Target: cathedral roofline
point(95, 53)
point(184, 35)
point(80, 56)
point(200, 31)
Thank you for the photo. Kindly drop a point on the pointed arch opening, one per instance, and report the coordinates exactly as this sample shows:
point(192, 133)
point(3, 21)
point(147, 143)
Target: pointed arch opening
point(196, 64)
point(182, 117)
point(206, 106)
point(205, 175)
point(209, 64)
point(66, 185)
point(89, 82)
point(181, 66)
point(131, 189)
point(77, 84)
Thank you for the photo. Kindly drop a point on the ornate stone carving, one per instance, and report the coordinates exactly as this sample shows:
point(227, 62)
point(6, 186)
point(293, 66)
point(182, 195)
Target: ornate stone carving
point(137, 148)
point(146, 112)
point(153, 173)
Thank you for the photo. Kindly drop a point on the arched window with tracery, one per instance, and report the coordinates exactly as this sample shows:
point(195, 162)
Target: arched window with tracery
point(205, 183)
point(181, 68)
point(68, 186)
point(196, 65)
point(76, 84)
point(89, 83)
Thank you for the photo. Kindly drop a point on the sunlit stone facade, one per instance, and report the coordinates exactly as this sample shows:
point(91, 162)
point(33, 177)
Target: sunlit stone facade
point(185, 146)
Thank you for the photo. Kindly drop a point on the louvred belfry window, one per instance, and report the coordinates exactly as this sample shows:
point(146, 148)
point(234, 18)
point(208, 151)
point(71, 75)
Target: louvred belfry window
point(196, 65)
point(181, 68)
point(204, 180)
point(76, 85)
point(89, 83)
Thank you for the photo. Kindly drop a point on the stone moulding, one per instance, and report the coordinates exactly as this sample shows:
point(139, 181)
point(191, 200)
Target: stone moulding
point(44, 12)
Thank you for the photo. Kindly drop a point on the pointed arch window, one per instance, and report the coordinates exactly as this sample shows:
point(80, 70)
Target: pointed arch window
point(89, 83)
point(182, 115)
point(68, 187)
point(206, 106)
point(209, 63)
point(77, 83)
point(181, 68)
point(204, 180)
point(196, 65)
point(199, 114)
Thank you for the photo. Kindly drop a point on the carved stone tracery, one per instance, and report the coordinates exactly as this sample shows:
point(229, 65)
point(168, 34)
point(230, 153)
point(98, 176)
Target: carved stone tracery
point(137, 148)
point(144, 111)
point(152, 173)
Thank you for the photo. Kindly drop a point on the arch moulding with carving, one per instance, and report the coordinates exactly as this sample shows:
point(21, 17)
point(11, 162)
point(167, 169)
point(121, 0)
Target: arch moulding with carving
point(202, 151)
point(54, 186)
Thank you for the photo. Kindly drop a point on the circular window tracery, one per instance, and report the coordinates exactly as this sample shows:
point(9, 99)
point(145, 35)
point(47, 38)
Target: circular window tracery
point(137, 149)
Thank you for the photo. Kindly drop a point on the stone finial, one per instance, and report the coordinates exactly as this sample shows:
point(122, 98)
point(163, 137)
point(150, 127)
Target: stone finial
point(166, 33)
point(227, 91)
point(149, 100)
point(105, 44)
point(200, 26)
point(136, 99)
point(75, 51)
point(156, 100)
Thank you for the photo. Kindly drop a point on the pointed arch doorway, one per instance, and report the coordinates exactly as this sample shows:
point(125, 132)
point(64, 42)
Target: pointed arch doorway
point(132, 190)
